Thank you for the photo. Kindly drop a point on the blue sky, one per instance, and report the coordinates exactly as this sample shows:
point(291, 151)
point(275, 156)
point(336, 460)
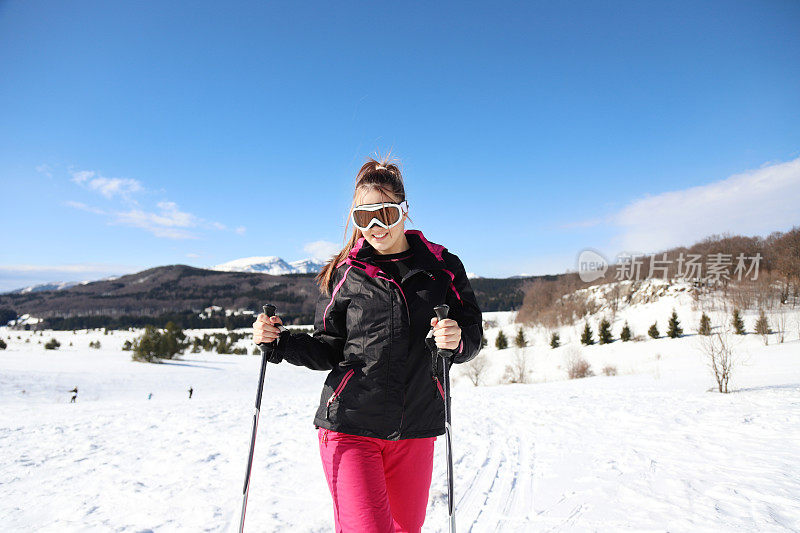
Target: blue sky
point(141, 134)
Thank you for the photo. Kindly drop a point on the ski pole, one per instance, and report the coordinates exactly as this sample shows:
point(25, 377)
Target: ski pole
point(441, 313)
point(266, 351)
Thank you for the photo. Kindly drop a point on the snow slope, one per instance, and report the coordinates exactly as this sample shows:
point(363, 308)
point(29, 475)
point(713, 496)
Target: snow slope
point(647, 450)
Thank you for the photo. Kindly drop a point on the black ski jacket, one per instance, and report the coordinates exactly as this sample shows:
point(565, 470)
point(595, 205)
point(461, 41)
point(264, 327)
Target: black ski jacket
point(370, 334)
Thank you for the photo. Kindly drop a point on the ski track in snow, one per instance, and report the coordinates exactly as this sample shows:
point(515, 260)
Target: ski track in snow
point(628, 453)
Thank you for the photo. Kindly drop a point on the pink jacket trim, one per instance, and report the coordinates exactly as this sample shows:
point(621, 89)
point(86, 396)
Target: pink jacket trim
point(436, 249)
point(333, 295)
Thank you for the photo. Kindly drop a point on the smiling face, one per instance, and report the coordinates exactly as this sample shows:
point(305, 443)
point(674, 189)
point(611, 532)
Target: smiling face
point(384, 241)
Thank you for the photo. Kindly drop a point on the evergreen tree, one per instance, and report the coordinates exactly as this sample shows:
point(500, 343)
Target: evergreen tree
point(737, 322)
point(555, 340)
point(586, 337)
point(3, 344)
point(484, 341)
point(502, 342)
point(127, 345)
point(762, 326)
point(705, 325)
point(625, 335)
point(173, 341)
point(147, 347)
point(674, 330)
point(223, 347)
point(605, 332)
point(52, 344)
point(653, 331)
point(520, 341)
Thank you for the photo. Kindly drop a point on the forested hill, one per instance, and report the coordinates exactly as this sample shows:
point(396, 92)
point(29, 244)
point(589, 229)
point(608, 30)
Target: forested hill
point(181, 292)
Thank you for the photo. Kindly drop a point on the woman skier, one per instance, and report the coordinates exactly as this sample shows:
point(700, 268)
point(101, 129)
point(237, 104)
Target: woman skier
point(382, 404)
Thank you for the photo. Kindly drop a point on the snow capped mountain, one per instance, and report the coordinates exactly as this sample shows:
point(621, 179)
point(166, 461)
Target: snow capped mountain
point(306, 266)
point(270, 265)
point(55, 286)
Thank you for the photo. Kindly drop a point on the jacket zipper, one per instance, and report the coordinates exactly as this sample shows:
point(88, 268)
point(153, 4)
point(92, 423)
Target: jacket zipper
point(337, 392)
point(408, 316)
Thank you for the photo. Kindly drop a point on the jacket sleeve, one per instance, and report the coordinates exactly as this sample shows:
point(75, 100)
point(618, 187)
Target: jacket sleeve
point(464, 310)
point(324, 348)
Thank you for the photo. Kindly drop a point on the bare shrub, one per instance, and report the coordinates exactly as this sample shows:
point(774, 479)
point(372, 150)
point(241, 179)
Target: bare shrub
point(517, 371)
point(610, 370)
point(577, 366)
point(555, 301)
point(475, 370)
point(720, 356)
point(781, 323)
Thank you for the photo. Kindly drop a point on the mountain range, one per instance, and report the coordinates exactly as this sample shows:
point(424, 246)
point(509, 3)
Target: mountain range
point(272, 265)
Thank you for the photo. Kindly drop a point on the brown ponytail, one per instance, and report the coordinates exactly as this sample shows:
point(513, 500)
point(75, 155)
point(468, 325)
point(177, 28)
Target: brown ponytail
point(383, 175)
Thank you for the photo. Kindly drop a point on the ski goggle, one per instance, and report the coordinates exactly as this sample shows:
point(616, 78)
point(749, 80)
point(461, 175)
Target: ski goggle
point(385, 215)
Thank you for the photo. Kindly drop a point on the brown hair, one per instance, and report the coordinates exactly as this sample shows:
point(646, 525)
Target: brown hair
point(383, 175)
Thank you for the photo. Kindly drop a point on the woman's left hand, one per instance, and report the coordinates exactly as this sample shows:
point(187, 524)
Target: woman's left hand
point(447, 333)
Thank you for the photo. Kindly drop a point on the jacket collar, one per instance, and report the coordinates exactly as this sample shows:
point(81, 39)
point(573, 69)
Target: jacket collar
point(427, 255)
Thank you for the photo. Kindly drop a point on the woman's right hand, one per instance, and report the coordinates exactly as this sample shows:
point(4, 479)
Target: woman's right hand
point(265, 328)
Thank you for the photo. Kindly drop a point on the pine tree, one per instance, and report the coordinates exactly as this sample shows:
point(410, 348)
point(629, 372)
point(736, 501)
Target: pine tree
point(625, 335)
point(586, 337)
point(520, 341)
point(605, 332)
point(502, 342)
point(146, 347)
point(484, 341)
point(653, 331)
point(3, 344)
point(705, 325)
point(52, 344)
point(737, 322)
point(555, 340)
point(674, 330)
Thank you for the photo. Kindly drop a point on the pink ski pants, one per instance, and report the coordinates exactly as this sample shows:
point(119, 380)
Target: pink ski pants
point(377, 485)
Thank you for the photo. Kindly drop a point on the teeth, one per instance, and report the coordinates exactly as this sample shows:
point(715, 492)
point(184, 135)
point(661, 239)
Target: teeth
point(380, 236)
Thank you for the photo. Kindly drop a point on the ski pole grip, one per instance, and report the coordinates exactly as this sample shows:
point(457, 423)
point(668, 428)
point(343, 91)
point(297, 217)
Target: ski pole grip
point(270, 311)
point(441, 311)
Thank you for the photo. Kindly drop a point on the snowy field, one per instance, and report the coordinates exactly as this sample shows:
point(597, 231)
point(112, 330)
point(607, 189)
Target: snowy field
point(651, 449)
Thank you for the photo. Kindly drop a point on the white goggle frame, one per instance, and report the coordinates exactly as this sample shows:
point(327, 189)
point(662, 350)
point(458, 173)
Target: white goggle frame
point(402, 207)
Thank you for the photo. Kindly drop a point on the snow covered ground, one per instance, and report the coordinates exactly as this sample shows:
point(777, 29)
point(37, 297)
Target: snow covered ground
point(650, 449)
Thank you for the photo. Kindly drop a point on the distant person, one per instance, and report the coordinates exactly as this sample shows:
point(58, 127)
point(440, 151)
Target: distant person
point(382, 405)
point(190, 392)
point(74, 395)
point(149, 395)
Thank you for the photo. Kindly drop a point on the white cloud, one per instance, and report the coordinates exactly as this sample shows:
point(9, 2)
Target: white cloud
point(751, 203)
point(84, 207)
point(322, 250)
point(81, 176)
point(169, 223)
point(755, 202)
point(191, 255)
point(71, 268)
point(108, 187)
point(240, 230)
point(44, 169)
